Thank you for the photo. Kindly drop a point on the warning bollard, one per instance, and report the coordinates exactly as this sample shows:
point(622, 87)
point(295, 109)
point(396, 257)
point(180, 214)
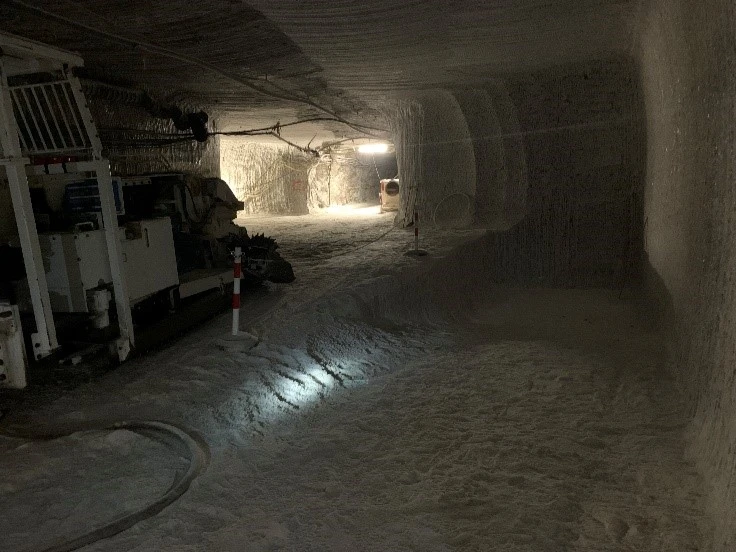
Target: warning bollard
point(416, 252)
point(238, 257)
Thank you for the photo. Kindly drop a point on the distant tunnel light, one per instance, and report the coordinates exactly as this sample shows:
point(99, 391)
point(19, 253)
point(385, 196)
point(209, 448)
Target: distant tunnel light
point(373, 148)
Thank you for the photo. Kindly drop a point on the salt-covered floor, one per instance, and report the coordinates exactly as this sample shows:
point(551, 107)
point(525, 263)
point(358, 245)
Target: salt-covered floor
point(384, 403)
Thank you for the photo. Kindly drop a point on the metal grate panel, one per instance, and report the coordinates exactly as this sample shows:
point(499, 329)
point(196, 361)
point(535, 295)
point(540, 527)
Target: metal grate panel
point(49, 121)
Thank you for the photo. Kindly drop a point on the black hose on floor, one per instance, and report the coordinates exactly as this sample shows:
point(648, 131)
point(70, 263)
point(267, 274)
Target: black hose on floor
point(199, 458)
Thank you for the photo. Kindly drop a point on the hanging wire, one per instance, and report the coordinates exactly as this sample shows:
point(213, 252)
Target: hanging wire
point(256, 85)
point(373, 155)
point(168, 139)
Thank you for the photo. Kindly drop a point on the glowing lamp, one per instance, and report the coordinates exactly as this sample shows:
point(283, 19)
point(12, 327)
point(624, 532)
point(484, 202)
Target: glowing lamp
point(373, 148)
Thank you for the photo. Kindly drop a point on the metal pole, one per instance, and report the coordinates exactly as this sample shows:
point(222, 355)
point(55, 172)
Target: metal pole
point(416, 252)
point(115, 258)
point(109, 219)
point(44, 341)
point(236, 290)
point(416, 231)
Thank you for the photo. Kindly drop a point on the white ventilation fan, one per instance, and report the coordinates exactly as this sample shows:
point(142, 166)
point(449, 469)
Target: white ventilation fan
point(390, 193)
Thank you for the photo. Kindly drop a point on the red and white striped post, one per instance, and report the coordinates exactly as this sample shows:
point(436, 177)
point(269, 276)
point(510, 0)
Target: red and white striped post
point(236, 289)
point(416, 252)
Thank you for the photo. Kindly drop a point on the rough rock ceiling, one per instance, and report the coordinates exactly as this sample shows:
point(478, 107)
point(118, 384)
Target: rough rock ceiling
point(387, 45)
point(348, 56)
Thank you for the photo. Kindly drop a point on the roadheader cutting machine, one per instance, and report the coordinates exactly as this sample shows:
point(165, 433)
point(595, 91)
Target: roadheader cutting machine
point(87, 257)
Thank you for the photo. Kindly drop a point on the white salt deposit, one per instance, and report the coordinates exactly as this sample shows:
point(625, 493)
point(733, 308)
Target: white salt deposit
point(388, 404)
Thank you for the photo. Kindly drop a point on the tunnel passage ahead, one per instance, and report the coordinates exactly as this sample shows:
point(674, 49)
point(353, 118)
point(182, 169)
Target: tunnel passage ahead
point(412, 407)
point(643, 195)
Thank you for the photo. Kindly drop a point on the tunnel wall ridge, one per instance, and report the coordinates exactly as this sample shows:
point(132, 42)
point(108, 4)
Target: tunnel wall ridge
point(583, 132)
point(687, 59)
point(461, 157)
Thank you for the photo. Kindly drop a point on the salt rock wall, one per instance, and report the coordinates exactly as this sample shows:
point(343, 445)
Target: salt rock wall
point(514, 177)
point(488, 150)
point(268, 178)
point(131, 152)
point(500, 155)
point(584, 137)
point(406, 125)
point(344, 177)
point(687, 56)
point(461, 157)
point(435, 155)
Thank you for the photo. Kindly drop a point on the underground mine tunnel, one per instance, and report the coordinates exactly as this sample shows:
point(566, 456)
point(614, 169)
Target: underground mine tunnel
point(216, 331)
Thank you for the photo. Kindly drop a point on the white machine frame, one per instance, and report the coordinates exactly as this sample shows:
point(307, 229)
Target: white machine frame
point(54, 120)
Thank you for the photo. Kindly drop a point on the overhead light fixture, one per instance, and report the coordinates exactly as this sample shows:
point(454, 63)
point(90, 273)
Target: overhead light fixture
point(373, 148)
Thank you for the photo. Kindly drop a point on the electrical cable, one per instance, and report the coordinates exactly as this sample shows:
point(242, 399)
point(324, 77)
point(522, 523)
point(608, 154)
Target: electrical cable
point(376, 167)
point(442, 201)
point(299, 122)
point(168, 138)
point(244, 132)
point(283, 94)
point(198, 461)
point(523, 133)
